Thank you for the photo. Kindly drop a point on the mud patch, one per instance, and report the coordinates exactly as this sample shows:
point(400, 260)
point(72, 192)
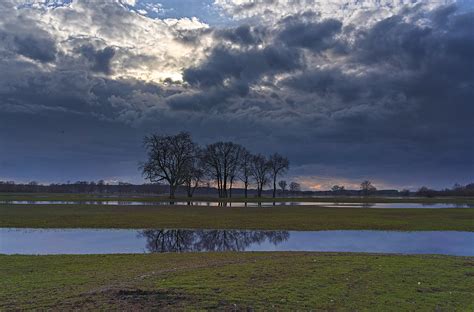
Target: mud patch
point(131, 299)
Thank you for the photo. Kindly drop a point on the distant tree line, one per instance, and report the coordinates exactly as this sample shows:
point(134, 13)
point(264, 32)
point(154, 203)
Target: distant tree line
point(97, 187)
point(178, 161)
point(284, 188)
point(367, 188)
point(456, 190)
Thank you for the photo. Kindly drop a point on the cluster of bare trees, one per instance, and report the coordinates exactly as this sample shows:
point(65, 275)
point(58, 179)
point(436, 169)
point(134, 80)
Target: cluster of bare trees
point(177, 160)
point(366, 188)
point(293, 187)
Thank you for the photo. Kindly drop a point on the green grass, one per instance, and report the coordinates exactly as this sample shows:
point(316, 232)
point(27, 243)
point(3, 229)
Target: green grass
point(231, 280)
point(228, 281)
point(145, 198)
point(277, 218)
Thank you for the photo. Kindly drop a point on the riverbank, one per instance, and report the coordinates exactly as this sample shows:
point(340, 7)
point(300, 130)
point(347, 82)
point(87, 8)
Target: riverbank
point(265, 280)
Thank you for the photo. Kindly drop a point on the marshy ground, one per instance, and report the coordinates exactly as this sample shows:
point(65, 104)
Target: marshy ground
point(236, 280)
point(228, 281)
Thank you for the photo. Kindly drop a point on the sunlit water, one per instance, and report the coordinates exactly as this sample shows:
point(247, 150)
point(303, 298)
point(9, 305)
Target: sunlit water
point(111, 241)
point(242, 204)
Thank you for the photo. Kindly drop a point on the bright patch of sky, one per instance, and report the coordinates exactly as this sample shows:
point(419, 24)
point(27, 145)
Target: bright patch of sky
point(205, 10)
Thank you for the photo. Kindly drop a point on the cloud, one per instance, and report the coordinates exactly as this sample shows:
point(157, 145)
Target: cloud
point(242, 35)
point(309, 34)
point(246, 66)
point(362, 13)
point(387, 98)
point(25, 37)
point(100, 59)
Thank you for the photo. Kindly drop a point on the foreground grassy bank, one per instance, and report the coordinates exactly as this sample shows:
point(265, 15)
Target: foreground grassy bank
point(271, 218)
point(145, 198)
point(321, 281)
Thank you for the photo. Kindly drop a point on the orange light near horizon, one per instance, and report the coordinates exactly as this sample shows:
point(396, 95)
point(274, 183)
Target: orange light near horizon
point(314, 183)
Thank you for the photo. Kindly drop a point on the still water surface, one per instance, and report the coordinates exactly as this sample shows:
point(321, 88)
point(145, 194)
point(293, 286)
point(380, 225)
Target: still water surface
point(241, 204)
point(111, 241)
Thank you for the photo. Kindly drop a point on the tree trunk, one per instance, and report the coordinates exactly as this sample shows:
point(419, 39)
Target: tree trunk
point(224, 186)
point(194, 188)
point(172, 191)
point(190, 194)
point(274, 186)
point(246, 187)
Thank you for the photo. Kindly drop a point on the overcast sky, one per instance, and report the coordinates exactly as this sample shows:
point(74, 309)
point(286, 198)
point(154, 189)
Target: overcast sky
point(347, 89)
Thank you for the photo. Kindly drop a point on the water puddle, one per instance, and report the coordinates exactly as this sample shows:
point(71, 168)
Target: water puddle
point(112, 241)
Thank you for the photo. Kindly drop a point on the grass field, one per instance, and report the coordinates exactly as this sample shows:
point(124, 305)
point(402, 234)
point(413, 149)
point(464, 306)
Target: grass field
point(270, 218)
point(238, 281)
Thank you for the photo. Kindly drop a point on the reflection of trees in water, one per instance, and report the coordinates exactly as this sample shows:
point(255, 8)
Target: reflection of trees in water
point(225, 240)
point(168, 240)
point(213, 240)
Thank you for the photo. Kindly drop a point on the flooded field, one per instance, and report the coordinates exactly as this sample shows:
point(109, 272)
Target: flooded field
point(240, 204)
point(110, 241)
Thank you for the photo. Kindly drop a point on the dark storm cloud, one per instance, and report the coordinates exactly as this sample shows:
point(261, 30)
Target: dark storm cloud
point(441, 15)
point(228, 73)
point(427, 65)
point(244, 34)
point(245, 66)
point(309, 34)
point(394, 42)
point(100, 59)
point(417, 88)
point(328, 82)
point(27, 39)
point(404, 87)
point(41, 49)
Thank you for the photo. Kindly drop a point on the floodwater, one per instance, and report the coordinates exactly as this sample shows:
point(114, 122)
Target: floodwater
point(112, 241)
point(241, 204)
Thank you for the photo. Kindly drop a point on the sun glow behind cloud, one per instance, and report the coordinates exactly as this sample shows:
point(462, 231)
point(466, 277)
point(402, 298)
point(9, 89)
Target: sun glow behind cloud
point(144, 48)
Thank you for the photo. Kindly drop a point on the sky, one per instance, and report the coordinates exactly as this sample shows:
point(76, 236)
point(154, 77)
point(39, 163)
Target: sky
point(348, 90)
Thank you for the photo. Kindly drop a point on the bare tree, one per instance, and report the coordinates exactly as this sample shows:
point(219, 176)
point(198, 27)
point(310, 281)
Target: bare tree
point(282, 184)
point(367, 188)
point(405, 192)
point(425, 191)
point(245, 169)
point(194, 173)
point(295, 187)
point(235, 166)
point(338, 189)
point(221, 162)
point(260, 170)
point(169, 158)
point(278, 166)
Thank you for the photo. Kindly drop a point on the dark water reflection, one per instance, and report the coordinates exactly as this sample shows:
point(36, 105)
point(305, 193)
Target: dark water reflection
point(208, 240)
point(110, 241)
